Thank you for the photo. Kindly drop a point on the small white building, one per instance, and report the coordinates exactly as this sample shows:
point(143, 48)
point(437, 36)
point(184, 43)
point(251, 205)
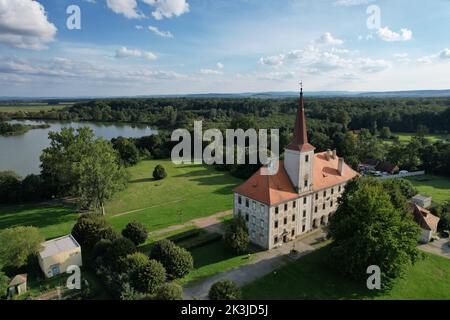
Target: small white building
point(421, 200)
point(426, 221)
point(58, 254)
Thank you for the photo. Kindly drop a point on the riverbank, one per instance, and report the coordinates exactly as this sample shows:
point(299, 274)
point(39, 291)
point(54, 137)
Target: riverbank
point(16, 129)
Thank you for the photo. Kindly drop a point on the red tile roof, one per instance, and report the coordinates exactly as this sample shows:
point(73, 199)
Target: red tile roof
point(424, 218)
point(278, 188)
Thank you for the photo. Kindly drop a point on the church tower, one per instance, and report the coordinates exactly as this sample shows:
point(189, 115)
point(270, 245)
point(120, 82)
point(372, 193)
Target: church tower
point(299, 154)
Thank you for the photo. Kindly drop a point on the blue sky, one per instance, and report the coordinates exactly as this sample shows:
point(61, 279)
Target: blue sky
point(140, 47)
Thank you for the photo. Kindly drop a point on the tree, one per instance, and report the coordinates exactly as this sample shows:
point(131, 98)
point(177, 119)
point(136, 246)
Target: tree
point(87, 230)
point(224, 290)
point(170, 291)
point(18, 244)
point(385, 133)
point(159, 173)
point(177, 261)
point(369, 230)
point(150, 277)
point(136, 232)
point(128, 152)
point(4, 283)
point(119, 248)
point(236, 236)
point(10, 187)
point(134, 262)
point(33, 188)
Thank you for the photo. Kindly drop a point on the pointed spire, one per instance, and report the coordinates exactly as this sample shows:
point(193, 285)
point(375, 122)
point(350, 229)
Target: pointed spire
point(300, 141)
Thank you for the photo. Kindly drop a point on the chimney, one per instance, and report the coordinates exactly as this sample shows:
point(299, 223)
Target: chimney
point(329, 154)
point(341, 166)
point(334, 154)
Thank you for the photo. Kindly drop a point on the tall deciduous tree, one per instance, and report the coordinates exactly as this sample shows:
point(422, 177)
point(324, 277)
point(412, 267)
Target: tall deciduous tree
point(18, 244)
point(368, 229)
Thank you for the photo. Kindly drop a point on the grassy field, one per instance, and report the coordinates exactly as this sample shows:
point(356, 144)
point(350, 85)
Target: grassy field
point(188, 192)
point(52, 221)
point(31, 107)
point(437, 187)
point(310, 278)
point(406, 137)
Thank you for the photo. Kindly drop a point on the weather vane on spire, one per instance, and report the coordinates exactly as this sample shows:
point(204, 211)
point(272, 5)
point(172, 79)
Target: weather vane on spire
point(301, 87)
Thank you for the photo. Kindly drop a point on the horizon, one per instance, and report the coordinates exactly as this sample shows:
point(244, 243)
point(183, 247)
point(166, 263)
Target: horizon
point(192, 47)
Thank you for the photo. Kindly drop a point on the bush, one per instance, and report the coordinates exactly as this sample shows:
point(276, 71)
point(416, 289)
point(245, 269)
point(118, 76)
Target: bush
point(136, 232)
point(224, 290)
point(236, 236)
point(87, 230)
point(169, 291)
point(159, 173)
point(109, 233)
point(149, 277)
point(101, 248)
point(134, 262)
point(10, 187)
point(177, 261)
point(119, 248)
point(33, 188)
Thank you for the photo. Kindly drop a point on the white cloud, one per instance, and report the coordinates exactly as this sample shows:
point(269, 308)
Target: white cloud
point(445, 54)
point(220, 65)
point(272, 60)
point(388, 35)
point(402, 57)
point(351, 3)
point(124, 52)
point(442, 55)
point(328, 39)
point(139, 27)
point(164, 34)
point(168, 8)
point(127, 8)
point(210, 72)
point(24, 24)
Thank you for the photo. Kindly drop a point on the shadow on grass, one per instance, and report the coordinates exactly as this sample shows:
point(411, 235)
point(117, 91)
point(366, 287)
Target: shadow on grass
point(143, 180)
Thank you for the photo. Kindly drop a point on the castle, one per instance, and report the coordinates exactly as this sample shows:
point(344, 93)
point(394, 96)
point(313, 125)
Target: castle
point(299, 197)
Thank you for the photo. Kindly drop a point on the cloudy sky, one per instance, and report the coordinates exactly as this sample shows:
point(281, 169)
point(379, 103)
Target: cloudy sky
point(140, 47)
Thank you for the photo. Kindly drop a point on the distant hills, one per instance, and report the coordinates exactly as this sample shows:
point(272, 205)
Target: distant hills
point(267, 95)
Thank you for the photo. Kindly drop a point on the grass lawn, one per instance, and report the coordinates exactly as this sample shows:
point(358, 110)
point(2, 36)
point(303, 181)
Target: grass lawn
point(213, 258)
point(31, 107)
point(188, 192)
point(52, 221)
point(435, 186)
point(311, 278)
point(407, 137)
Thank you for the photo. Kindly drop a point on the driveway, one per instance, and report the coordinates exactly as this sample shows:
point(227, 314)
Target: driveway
point(263, 263)
point(439, 247)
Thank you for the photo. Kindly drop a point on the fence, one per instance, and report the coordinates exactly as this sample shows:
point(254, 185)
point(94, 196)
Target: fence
point(404, 175)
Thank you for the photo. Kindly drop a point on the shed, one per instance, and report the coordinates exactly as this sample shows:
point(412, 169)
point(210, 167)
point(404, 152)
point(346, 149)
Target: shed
point(421, 200)
point(58, 254)
point(18, 285)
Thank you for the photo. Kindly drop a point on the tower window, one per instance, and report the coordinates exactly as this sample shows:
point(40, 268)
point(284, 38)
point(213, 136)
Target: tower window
point(306, 183)
point(293, 217)
point(304, 213)
point(276, 210)
point(285, 207)
point(317, 196)
point(307, 158)
point(285, 221)
point(315, 209)
point(294, 204)
point(304, 200)
point(276, 224)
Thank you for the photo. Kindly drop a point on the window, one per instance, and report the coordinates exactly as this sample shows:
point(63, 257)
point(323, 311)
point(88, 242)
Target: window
point(285, 220)
point(324, 206)
point(239, 212)
point(293, 217)
point(254, 205)
point(275, 240)
point(276, 224)
point(276, 210)
point(261, 209)
point(331, 203)
point(293, 232)
point(304, 213)
point(247, 203)
point(340, 188)
point(253, 234)
point(306, 183)
point(303, 228)
point(317, 196)
point(285, 207)
point(332, 190)
point(246, 217)
point(315, 209)
point(294, 204)
point(324, 194)
point(307, 158)
point(305, 200)
point(261, 223)
point(253, 219)
point(240, 200)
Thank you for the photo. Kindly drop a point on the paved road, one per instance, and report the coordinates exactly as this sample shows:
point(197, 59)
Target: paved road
point(263, 263)
point(439, 247)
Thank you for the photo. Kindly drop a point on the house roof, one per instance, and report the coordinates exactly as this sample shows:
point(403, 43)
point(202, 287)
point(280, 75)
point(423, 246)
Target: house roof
point(278, 188)
point(58, 245)
point(424, 218)
point(421, 197)
point(269, 189)
point(18, 279)
point(326, 172)
point(300, 141)
point(387, 167)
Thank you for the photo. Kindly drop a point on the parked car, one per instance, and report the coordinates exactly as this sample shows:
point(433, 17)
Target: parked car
point(403, 172)
point(445, 234)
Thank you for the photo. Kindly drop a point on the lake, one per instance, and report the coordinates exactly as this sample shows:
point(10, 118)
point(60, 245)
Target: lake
point(21, 153)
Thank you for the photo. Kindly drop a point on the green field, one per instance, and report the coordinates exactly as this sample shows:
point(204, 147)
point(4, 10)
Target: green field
point(310, 278)
point(407, 137)
point(188, 192)
point(52, 221)
point(31, 107)
point(437, 187)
